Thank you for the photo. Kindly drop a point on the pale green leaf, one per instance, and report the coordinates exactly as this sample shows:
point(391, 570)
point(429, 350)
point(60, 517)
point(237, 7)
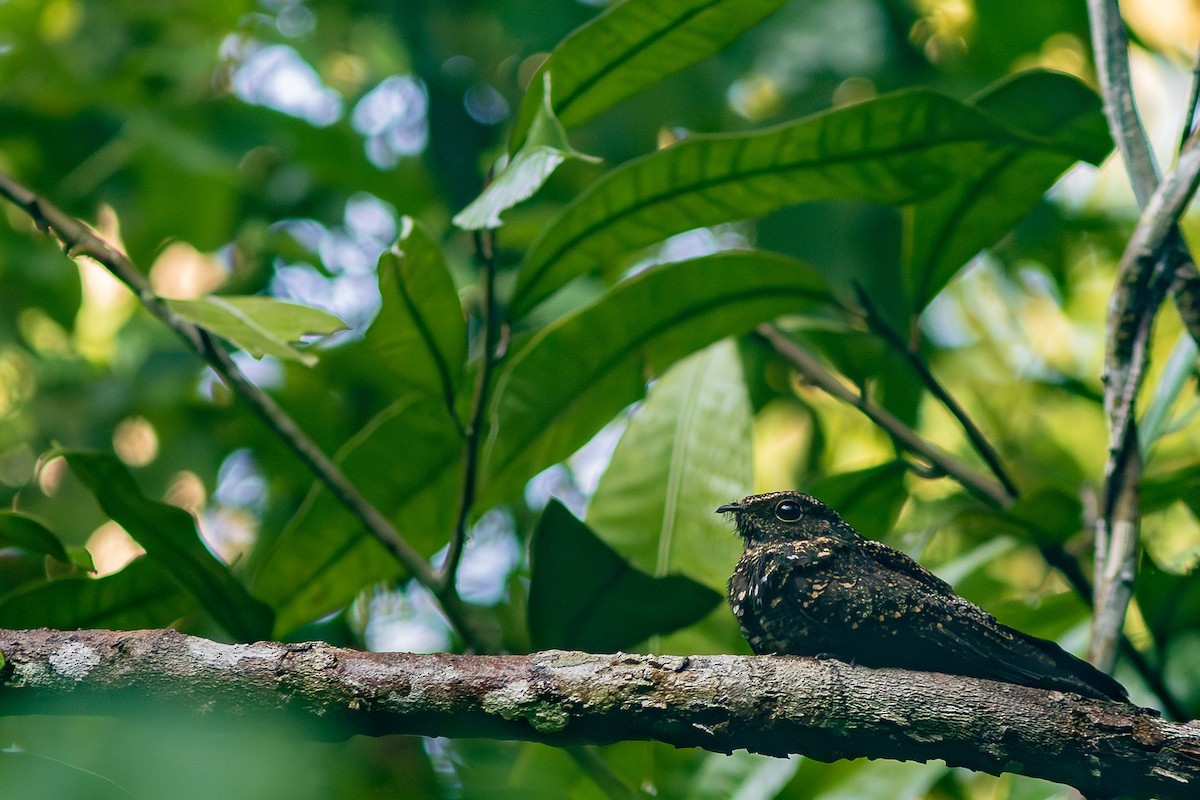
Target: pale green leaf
point(545, 149)
point(1172, 538)
point(261, 326)
point(686, 450)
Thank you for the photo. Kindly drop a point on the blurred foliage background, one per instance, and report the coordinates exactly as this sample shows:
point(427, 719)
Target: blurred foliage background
point(273, 147)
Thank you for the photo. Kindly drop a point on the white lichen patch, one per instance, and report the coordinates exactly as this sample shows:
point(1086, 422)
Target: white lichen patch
point(74, 660)
point(214, 655)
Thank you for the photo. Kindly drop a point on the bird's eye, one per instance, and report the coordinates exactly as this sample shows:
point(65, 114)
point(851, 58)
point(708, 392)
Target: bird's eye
point(788, 510)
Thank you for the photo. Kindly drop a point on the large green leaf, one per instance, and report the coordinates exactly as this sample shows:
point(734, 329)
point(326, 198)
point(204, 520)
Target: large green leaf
point(420, 334)
point(630, 46)
point(29, 534)
point(406, 461)
point(584, 596)
point(169, 536)
point(142, 595)
point(869, 499)
point(545, 149)
point(897, 149)
point(686, 450)
point(1059, 121)
point(261, 326)
point(575, 374)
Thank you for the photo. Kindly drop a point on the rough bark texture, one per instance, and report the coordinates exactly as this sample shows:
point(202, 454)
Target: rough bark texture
point(777, 705)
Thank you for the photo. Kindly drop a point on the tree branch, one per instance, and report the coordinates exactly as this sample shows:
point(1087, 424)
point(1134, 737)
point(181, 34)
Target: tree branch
point(1145, 274)
point(1111, 48)
point(775, 705)
point(79, 240)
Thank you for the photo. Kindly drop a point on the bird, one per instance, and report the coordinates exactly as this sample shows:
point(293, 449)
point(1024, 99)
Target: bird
point(808, 584)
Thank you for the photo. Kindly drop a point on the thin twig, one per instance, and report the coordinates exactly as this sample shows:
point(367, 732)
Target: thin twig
point(812, 369)
point(1111, 48)
point(982, 446)
point(1142, 283)
point(1146, 272)
point(79, 240)
point(485, 249)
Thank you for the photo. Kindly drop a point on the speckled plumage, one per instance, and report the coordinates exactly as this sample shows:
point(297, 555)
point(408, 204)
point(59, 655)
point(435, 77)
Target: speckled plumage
point(811, 586)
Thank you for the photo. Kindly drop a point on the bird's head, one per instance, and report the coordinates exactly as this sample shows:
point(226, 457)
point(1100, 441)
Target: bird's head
point(784, 516)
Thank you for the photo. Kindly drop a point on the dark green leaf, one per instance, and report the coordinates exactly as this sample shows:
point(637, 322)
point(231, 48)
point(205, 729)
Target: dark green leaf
point(869, 499)
point(169, 535)
point(1170, 603)
point(29, 534)
point(1050, 515)
point(406, 461)
point(583, 596)
point(577, 373)
point(896, 149)
point(142, 595)
point(420, 334)
point(687, 450)
point(630, 46)
point(1056, 120)
point(259, 325)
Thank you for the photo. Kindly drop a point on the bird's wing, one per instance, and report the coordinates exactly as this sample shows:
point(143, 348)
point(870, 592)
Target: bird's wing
point(896, 561)
point(968, 640)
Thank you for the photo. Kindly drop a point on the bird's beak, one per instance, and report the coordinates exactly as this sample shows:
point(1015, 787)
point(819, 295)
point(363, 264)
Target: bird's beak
point(729, 508)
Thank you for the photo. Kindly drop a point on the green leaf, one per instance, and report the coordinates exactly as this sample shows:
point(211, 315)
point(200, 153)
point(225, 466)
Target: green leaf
point(897, 149)
point(29, 534)
point(544, 151)
point(741, 776)
point(577, 373)
point(869, 499)
point(1176, 374)
point(1170, 603)
point(259, 325)
point(686, 450)
point(1172, 538)
point(1049, 515)
point(1056, 120)
point(861, 778)
point(169, 535)
point(142, 595)
point(407, 462)
point(630, 46)
point(583, 596)
point(420, 334)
